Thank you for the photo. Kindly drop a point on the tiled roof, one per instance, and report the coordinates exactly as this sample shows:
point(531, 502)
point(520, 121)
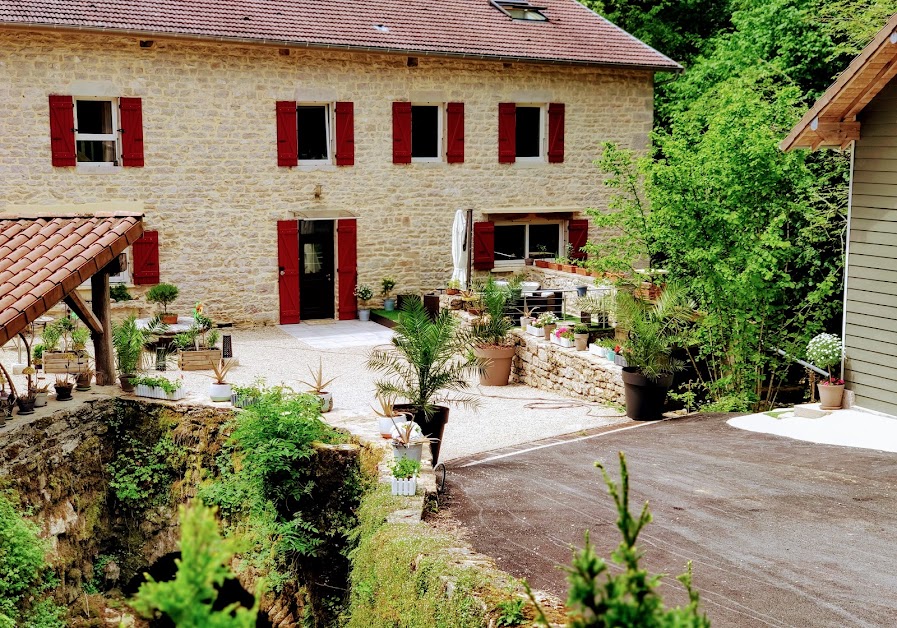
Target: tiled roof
point(473, 28)
point(44, 259)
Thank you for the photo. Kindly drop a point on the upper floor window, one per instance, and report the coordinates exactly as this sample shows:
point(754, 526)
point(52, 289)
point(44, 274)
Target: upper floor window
point(426, 132)
point(530, 132)
point(314, 136)
point(96, 131)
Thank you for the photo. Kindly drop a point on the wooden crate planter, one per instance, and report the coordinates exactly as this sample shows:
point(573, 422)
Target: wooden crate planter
point(61, 362)
point(155, 392)
point(198, 360)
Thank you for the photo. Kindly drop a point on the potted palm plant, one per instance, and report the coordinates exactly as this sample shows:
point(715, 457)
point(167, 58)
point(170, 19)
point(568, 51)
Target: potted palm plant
point(655, 329)
point(428, 360)
point(825, 351)
point(490, 335)
point(127, 343)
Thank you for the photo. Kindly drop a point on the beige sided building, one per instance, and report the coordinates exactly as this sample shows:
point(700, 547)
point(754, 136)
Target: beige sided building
point(261, 140)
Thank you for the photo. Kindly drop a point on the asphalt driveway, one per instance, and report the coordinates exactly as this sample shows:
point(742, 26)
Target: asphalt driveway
point(781, 532)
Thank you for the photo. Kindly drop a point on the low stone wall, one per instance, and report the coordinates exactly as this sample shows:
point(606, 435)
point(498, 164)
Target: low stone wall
point(581, 374)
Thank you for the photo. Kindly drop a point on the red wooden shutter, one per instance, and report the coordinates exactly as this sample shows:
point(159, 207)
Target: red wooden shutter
point(577, 236)
point(507, 132)
point(401, 132)
point(483, 245)
point(146, 259)
point(345, 134)
point(556, 133)
point(347, 267)
point(62, 130)
point(454, 138)
point(288, 268)
point(287, 134)
point(131, 132)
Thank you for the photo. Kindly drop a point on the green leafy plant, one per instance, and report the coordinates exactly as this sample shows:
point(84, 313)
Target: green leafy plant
point(164, 294)
point(318, 383)
point(127, 343)
point(158, 382)
point(627, 596)
point(491, 328)
point(655, 329)
point(564, 332)
point(50, 337)
point(511, 613)
point(203, 567)
point(453, 284)
point(387, 284)
point(141, 473)
point(405, 468)
point(580, 328)
point(80, 336)
point(24, 573)
point(118, 292)
point(428, 359)
point(221, 368)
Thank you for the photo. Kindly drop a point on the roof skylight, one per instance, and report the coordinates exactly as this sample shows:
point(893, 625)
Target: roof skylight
point(520, 10)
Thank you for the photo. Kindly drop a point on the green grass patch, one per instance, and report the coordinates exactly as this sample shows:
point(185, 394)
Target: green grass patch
point(392, 315)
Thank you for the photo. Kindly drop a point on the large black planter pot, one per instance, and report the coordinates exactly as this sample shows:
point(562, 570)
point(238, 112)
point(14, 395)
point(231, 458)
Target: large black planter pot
point(434, 427)
point(645, 397)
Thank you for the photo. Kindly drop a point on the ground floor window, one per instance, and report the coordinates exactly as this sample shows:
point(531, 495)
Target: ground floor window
point(516, 241)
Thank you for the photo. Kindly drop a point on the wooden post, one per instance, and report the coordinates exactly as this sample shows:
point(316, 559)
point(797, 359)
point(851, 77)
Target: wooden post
point(102, 342)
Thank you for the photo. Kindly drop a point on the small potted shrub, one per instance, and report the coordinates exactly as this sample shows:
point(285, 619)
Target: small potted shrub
point(364, 294)
point(198, 345)
point(826, 351)
point(581, 337)
point(547, 322)
point(246, 396)
point(63, 386)
point(388, 416)
point(563, 336)
point(26, 401)
point(219, 389)
point(389, 302)
point(164, 294)
point(318, 386)
point(404, 476)
point(453, 287)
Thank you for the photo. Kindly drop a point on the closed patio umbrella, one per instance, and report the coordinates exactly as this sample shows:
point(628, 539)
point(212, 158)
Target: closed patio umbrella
point(459, 254)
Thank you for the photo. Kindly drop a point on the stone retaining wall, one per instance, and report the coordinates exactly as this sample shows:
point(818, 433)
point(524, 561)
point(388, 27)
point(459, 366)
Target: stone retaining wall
point(566, 371)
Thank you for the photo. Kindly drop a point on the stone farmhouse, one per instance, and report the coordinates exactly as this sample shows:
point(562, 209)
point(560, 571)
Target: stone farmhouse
point(859, 111)
point(282, 151)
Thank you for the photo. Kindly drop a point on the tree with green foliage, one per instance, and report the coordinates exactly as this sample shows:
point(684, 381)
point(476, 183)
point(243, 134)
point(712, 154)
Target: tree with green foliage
point(203, 567)
point(24, 574)
point(626, 596)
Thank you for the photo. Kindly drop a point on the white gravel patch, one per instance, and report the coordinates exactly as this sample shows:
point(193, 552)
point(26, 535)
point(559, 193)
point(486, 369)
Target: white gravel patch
point(848, 428)
point(506, 416)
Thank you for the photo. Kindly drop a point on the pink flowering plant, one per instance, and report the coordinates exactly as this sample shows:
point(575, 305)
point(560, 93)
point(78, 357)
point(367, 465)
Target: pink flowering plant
point(564, 332)
point(824, 352)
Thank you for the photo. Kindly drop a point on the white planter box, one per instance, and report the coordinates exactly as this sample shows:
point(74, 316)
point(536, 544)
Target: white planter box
point(405, 486)
point(598, 350)
point(563, 342)
point(154, 392)
point(535, 331)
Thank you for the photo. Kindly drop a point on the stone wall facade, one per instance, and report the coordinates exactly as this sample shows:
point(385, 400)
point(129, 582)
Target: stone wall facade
point(569, 372)
point(211, 186)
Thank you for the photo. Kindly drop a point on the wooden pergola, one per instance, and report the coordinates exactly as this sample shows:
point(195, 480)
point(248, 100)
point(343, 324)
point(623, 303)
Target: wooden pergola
point(45, 258)
point(833, 121)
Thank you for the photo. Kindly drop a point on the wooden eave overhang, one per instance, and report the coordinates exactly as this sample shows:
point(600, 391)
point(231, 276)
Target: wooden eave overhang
point(832, 121)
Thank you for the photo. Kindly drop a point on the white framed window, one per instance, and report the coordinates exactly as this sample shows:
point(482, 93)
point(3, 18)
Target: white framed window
point(515, 241)
point(529, 129)
point(96, 132)
point(314, 123)
point(426, 132)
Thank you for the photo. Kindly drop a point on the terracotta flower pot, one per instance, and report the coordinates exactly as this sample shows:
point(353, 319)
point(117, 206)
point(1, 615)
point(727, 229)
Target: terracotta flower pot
point(541, 263)
point(169, 319)
point(548, 330)
point(498, 372)
point(581, 341)
point(830, 395)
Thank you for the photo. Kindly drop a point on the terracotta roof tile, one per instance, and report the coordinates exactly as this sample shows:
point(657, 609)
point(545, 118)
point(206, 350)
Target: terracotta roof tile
point(470, 28)
point(43, 259)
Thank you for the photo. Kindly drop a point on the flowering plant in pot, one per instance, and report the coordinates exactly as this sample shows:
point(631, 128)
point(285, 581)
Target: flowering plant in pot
point(490, 336)
point(826, 351)
point(655, 329)
point(427, 361)
point(364, 294)
point(389, 302)
point(318, 386)
point(563, 336)
point(547, 322)
point(164, 294)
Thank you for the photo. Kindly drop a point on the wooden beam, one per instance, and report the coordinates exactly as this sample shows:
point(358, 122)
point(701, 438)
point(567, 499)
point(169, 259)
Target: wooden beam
point(102, 342)
point(83, 312)
point(830, 132)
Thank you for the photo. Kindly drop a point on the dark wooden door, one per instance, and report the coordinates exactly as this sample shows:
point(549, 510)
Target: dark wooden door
point(316, 280)
point(288, 263)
